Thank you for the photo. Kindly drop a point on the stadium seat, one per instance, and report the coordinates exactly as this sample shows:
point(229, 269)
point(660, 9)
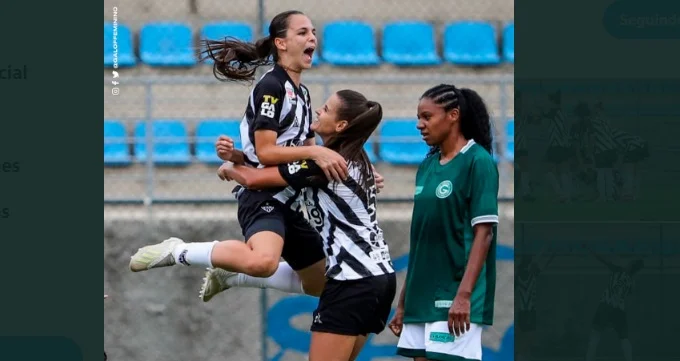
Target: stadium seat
point(220, 30)
point(471, 43)
point(410, 43)
point(369, 147)
point(207, 132)
point(509, 43)
point(401, 143)
point(126, 54)
point(171, 146)
point(115, 147)
point(167, 44)
point(349, 43)
point(510, 138)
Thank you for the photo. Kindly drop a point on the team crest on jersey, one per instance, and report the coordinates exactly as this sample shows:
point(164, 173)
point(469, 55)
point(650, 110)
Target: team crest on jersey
point(444, 189)
point(290, 93)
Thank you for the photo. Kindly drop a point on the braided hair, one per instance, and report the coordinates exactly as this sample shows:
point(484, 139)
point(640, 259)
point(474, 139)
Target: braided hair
point(474, 116)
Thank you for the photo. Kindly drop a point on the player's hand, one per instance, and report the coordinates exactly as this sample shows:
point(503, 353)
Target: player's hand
point(379, 179)
point(224, 147)
point(397, 323)
point(332, 163)
point(459, 314)
point(223, 171)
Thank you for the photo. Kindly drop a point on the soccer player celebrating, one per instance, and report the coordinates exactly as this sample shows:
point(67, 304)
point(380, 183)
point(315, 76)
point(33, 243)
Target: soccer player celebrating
point(361, 282)
point(526, 281)
point(450, 283)
point(560, 149)
point(611, 310)
point(275, 129)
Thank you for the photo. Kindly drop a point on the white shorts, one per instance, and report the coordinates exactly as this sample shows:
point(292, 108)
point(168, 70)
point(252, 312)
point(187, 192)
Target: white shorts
point(433, 341)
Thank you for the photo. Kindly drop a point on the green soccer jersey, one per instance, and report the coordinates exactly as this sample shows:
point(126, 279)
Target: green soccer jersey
point(449, 200)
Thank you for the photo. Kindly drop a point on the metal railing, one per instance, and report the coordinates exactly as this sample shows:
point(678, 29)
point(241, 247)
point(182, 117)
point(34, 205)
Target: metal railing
point(151, 175)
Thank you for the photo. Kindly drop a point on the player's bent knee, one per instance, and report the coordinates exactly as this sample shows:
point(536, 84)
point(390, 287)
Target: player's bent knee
point(263, 266)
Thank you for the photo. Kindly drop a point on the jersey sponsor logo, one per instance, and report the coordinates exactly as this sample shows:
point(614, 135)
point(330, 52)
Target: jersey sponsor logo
point(380, 255)
point(443, 303)
point(419, 189)
point(267, 107)
point(268, 209)
point(441, 337)
point(296, 166)
point(444, 189)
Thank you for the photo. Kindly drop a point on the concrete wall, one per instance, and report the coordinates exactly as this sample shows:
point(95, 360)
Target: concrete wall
point(156, 315)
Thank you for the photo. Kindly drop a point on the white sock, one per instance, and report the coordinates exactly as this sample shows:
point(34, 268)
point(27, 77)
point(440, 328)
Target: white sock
point(627, 349)
point(194, 254)
point(284, 279)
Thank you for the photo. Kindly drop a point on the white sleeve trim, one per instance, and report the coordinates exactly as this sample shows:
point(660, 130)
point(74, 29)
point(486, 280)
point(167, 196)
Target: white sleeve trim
point(485, 219)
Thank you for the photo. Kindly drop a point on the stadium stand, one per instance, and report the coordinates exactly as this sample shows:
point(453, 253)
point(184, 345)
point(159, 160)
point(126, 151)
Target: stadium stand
point(410, 43)
point(126, 55)
point(115, 144)
point(207, 131)
point(510, 137)
point(509, 43)
point(167, 44)
point(170, 142)
point(471, 43)
point(349, 43)
point(401, 143)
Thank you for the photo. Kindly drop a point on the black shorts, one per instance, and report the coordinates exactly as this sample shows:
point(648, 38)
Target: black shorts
point(259, 211)
point(607, 316)
point(606, 159)
point(356, 307)
point(559, 154)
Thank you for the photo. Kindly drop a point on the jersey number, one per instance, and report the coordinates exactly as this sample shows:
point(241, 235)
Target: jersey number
point(267, 110)
point(314, 217)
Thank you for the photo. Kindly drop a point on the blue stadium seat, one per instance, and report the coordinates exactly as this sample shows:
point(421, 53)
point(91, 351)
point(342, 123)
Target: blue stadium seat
point(410, 43)
point(167, 44)
point(220, 30)
point(126, 54)
point(369, 147)
point(170, 142)
point(509, 43)
point(207, 132)
point(510, 137)
point(401, 143)
point(115, 147)
point(471, 43)
point(349, 43)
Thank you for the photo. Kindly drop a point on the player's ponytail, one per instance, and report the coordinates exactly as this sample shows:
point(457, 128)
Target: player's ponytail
point(236, 60)
point(363, 117)
point(475, 121)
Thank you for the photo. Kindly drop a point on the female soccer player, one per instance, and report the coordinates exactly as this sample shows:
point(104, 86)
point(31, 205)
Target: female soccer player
point(361, 283)
point(611, 309)
point(529, 268)
point(451, 276)
point(560, 149)
point(274, 130)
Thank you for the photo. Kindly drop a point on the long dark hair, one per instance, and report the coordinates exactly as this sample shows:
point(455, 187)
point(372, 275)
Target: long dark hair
point(236, 60)
point(474, 116)
point(363, 116)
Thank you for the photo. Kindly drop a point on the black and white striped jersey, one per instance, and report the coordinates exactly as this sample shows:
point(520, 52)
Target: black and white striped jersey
point(345, 216)
point(276, 104)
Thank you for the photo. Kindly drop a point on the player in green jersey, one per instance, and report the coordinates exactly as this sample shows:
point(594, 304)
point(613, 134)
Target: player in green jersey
point(451, 278)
